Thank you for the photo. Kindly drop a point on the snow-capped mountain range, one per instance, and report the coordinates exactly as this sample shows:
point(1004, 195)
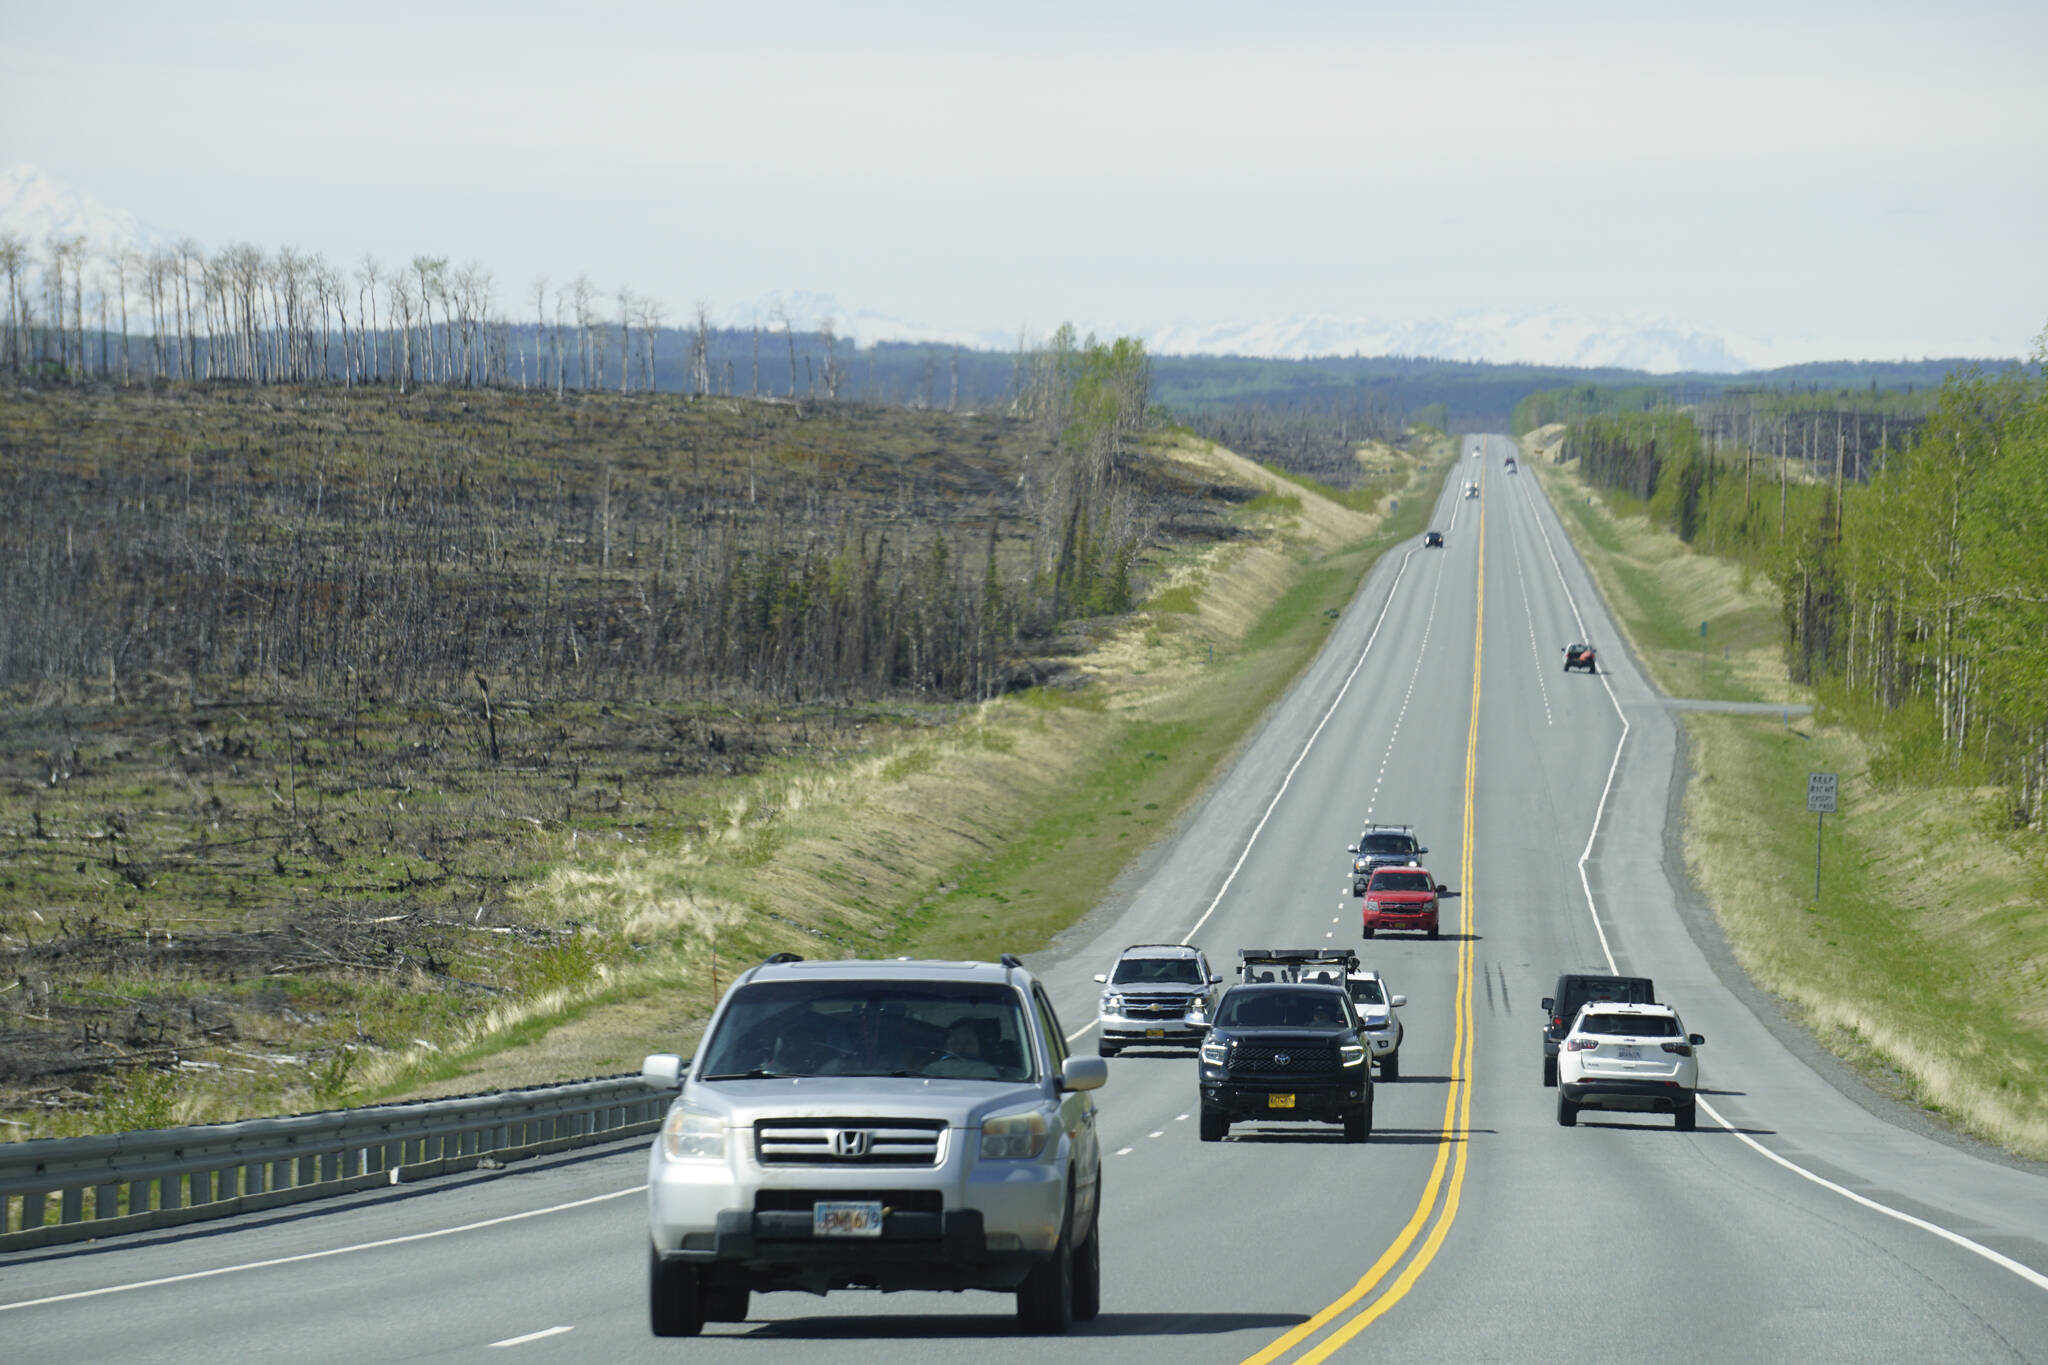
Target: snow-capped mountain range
point(36, 207)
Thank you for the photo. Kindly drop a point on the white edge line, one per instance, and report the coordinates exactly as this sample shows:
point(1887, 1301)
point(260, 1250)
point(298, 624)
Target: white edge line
point(1300, 758)
point(319, 1255)
point(2025, 1272)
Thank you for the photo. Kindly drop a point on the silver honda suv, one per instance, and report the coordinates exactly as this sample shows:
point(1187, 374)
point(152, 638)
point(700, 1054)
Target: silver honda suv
point(1157, 995)
point(876, 1125)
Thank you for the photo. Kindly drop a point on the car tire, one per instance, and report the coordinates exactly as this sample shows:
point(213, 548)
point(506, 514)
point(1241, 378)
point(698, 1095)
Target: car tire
point(1567, 1112)
point(1687, 1117)
point(1432, 931)
point(1358, 1124)
point(1088, 1270)
point(726, 1303)
point(1215, 1124)
point(675, 1297)
point(1549, 1072)
point(1390, 1069)
point(1107, 1049)
point(1368, 933)
point(1045, 1301)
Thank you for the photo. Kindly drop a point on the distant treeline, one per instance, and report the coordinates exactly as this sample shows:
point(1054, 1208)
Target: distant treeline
point(1917, 600)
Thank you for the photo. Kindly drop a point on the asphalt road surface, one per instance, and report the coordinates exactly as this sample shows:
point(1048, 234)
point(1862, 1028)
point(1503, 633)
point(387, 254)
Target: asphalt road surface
point(1802, 1220)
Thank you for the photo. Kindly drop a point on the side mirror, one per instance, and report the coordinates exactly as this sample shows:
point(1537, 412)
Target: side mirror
point(1102, 977)
point(1215, 980)
point(662, 1070)
point(1441, 889)
point(1351, 848)
point(1697, 1041)
point(1420, 851)
point(1549, 1005)
point(1398, 1001)
point(1083, 1073)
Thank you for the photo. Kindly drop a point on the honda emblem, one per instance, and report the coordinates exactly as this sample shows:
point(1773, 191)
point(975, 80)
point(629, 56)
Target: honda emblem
point(851, 1144)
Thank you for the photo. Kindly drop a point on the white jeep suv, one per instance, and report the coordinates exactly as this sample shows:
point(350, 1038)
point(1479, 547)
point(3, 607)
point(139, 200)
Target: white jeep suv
point(1627, 1056)
point(876, 1125)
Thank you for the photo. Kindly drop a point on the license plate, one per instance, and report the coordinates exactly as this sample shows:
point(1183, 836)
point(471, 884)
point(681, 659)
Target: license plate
point(1155, 1033)
point(1279, 1101)
point(854, 1218)
point(1631, 1054)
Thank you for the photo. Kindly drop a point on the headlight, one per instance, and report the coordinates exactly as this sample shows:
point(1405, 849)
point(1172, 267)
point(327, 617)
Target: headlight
point(1378, 1025)
point(1112, 1003)
point(1017, 1136)
point(1372, 905)
point(1215, 1054)
point(1353, 1054)
point(693, 1135)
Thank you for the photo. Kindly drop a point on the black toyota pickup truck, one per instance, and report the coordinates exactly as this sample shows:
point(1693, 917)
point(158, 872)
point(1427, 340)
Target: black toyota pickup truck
point(1286, 1052)
point(1575, 989)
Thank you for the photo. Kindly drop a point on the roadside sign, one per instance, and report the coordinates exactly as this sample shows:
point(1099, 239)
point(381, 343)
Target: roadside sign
point(1820, 793)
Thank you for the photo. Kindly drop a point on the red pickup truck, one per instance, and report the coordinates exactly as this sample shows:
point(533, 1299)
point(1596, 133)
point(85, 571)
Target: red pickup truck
point(1402, 898)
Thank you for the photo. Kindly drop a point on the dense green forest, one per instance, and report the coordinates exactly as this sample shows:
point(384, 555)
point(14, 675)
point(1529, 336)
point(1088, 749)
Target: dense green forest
point(1913, 569)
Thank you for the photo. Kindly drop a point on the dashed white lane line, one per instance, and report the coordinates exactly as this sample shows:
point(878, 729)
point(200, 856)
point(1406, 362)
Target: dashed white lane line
point(541, 1335)
point(1180, 1118)
point(1125, 1151)
point(1160, 1133)
point(1421, 653)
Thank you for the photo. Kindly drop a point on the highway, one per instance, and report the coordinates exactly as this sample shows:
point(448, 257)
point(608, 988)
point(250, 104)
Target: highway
point(1804, 1219)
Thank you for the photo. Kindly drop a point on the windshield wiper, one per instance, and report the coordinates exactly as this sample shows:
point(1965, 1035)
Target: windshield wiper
point(757, 1074)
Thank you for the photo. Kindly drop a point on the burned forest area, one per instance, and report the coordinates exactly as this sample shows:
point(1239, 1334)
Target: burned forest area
point(302, 688)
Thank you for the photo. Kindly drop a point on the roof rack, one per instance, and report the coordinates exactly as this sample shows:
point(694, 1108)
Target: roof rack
point(1011, 960)
point(1179, 947)
point(777, 959)
point(1292, 961)
point(1381, 824)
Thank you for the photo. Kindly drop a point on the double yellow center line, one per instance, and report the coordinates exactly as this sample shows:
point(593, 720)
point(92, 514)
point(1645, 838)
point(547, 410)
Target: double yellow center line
point(1438, 1206)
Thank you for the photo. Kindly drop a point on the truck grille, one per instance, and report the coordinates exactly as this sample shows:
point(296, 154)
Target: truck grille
point(1155, 1006)
point(1282, 1059)
point(849, 1142)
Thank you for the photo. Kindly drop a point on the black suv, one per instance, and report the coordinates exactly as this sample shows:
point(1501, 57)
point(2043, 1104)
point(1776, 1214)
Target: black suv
point(1575, 989)
point(1382, 846)
point(1288, 1052)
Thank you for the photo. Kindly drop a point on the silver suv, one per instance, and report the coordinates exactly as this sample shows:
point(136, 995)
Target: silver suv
point(1157, 995)
point(876, 1125)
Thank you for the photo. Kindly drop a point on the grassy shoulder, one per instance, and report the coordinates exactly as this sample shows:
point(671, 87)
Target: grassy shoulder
point(1924, 961)
point(982, 835)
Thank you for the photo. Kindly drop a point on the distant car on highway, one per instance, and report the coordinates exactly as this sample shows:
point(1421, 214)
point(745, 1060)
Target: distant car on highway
point(1629, 1057)
point(1432, 540)
point(1157, 995)
point(1472, 489)
point(1404, 898)
point(876, 1125)
point(1572, 991)
point(1382, 846)
point(1580, 656)
point(1511, 464)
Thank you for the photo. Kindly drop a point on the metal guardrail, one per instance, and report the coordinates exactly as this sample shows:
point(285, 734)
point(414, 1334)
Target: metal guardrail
point(56, 1190)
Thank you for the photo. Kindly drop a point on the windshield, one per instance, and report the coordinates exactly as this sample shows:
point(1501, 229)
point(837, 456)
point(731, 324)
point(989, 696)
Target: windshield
point(1386, 843)
point(1304, 1008)
point(1367, 993)
point(1140, 971)
point(964, 1030)
point(1630, 1025)
point(1400, 881)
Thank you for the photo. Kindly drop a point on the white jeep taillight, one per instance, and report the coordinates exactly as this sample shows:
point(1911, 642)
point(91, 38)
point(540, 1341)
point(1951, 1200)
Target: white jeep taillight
point(1681, 1049)
point(1580, 1044)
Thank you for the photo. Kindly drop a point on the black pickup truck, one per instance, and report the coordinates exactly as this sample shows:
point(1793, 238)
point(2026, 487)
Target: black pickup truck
point(1573, 990)
point(1286, 1051)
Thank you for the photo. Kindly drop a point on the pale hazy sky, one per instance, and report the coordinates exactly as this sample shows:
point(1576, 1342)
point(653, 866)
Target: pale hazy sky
point(1872, 177)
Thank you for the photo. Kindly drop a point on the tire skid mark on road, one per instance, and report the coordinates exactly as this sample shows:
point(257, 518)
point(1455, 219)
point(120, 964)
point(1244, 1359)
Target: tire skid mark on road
point(2025, 1272)
point(1453, 1149)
